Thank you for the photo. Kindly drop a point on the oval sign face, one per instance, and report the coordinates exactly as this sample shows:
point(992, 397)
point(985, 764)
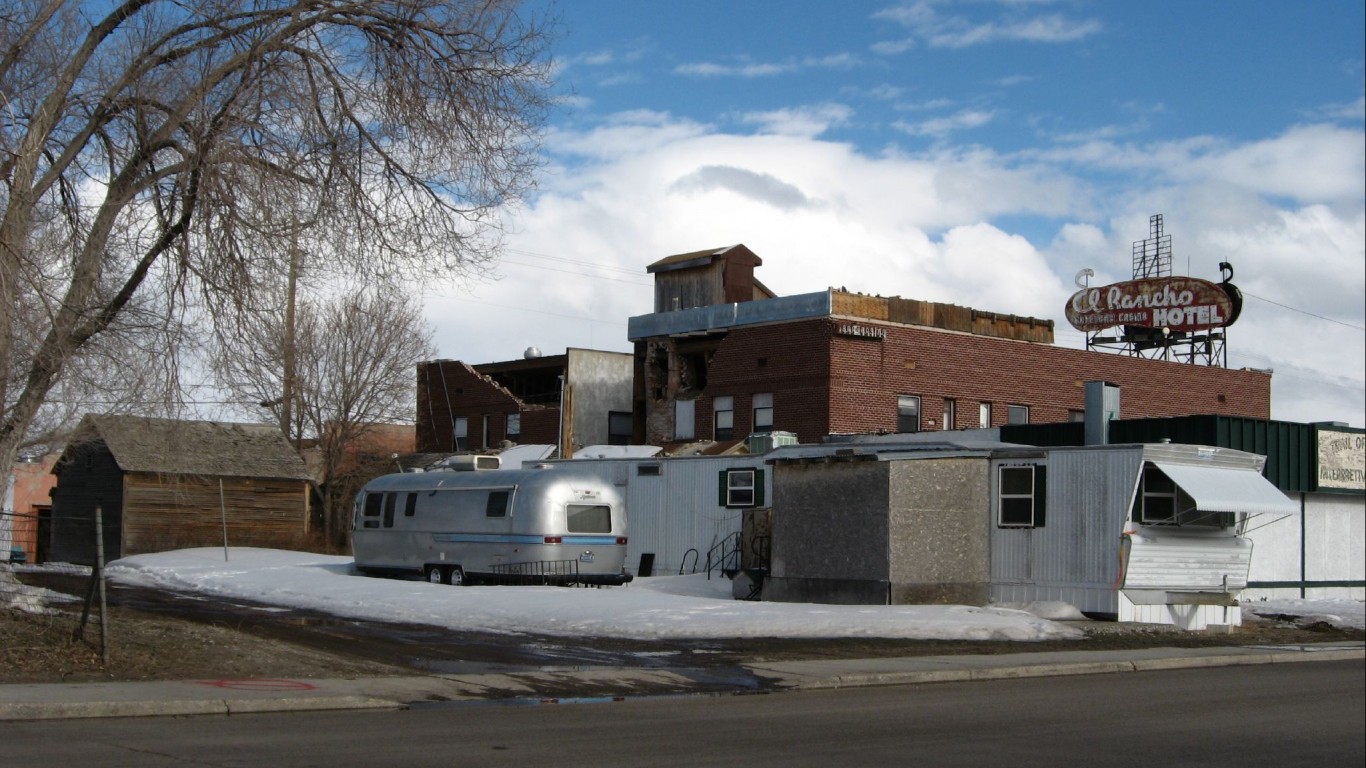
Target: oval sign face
point(1178, 303)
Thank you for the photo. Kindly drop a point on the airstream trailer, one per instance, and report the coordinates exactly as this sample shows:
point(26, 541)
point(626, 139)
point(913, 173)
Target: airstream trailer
point(551, 524)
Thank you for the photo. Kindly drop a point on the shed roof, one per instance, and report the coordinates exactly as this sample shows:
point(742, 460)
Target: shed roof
point(700, 258)
point(170, 446)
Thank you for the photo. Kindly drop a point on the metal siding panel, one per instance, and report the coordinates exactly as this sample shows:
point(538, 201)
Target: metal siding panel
point(1075, 557)
point(677, 510)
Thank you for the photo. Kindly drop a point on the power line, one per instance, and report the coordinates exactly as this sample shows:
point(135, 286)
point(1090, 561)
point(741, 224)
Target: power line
point(563, 260)
point(574, 272)
point(1303, 312)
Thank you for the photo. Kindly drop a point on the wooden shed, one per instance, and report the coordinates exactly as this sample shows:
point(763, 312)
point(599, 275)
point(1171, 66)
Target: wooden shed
point(165, 484)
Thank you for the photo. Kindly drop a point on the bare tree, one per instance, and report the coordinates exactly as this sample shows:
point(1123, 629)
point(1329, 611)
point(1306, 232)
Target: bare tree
point(154, 153)
point(356, 359)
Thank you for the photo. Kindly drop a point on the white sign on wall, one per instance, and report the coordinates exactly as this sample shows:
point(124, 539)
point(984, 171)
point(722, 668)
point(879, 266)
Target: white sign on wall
point(1342, 460)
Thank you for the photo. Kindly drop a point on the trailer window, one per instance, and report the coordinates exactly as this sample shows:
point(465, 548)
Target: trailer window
point(740, 488)
point(373, 502)
point(497, 505)
point(390, 499)
point(1021, 493)
point(410, 506)
point(1162, 502)
point(584, 518)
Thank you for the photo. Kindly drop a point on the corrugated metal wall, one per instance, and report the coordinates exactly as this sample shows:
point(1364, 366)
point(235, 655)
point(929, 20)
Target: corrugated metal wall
point(1289, 447)
point(1075, 556)
point(676, 510)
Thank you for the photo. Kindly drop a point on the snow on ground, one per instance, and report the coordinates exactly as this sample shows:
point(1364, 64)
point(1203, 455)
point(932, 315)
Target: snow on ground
point(660, 607)
point(1337, 612)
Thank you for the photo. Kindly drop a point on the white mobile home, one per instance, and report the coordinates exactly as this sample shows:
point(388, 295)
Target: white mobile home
point(1151, 533)
point(1141, 532)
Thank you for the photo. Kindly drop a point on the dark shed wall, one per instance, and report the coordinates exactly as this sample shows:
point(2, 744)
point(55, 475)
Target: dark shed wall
point(830, 531)
point(88, 479)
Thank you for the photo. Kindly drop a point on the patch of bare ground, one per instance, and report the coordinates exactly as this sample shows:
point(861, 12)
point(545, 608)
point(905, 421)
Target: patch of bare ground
point(40, 648)
point(43, 648)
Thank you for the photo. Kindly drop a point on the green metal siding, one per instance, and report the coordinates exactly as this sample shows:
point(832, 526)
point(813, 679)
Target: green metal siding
point(1290, 448)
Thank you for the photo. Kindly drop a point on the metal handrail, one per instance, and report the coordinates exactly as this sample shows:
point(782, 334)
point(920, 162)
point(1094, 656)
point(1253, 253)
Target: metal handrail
point(684, 564)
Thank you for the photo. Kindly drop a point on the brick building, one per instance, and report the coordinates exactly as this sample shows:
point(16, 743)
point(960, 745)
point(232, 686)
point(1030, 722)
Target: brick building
point(721, 357)
point(462, 407)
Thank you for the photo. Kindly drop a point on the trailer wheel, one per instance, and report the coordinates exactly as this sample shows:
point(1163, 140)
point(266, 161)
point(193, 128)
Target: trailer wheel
point(437, 574)
point(456, 576)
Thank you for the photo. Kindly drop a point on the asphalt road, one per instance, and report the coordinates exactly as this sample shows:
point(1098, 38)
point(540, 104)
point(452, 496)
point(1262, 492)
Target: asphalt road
point(1311, 714)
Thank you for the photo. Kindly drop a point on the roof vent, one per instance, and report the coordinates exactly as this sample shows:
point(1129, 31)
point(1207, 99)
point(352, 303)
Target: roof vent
point(531, 353)
point(472, 462)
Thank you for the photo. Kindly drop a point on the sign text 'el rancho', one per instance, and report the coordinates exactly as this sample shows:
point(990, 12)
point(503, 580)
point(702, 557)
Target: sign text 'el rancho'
point(1176, 303)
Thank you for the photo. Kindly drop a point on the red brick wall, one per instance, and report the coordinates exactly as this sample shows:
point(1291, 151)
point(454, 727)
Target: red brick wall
point(447, 389)
point(823, 382)
point(867, 376)
point(789, 360)
point(33, 484)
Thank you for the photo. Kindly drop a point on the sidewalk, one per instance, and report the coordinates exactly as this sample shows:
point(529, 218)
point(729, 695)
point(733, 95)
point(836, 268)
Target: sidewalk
point(226, 697)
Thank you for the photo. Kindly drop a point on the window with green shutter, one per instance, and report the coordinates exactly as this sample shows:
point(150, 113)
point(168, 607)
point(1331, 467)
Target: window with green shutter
point(740, 488)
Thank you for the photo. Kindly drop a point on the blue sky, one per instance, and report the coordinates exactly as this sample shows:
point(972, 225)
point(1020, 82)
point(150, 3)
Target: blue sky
point(979, 153)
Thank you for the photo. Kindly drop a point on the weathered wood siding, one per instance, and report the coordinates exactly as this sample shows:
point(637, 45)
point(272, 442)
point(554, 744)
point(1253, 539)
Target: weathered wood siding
point(688, 288)
point(173, 512)
point(950, 317)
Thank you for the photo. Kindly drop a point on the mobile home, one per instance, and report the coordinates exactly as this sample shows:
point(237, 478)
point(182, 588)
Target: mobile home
point(551, 523)
point(1140, 532)
point(685, 507)
point(1148, 532)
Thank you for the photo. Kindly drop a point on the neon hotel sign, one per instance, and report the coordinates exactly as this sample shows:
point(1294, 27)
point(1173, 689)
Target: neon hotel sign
point(1175, 303)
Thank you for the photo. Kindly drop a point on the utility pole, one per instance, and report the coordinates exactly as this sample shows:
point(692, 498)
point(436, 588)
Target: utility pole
point(288, 375)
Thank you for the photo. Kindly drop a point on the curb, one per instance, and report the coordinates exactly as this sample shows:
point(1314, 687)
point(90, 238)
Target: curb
point(1063, 669)
point(116, 700)
point(178, 708)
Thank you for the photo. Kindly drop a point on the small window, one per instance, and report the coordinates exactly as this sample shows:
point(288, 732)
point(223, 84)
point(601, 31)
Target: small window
point(1162, 502)
point(618, 428)
point(1074, 415)
point(410, 505)
point(497, 505)
point(462, 434)
point(1020, 496)
point(950, 413)
point(685, 421)
point(1017, 414)
point(984, 415)
point(374, 504)
point(514, 427)
point(390, 500)
point(723, 412)
point(908, 413)
point(741, 488)
point(648, 470)
point(583, 518)
point(763, 412)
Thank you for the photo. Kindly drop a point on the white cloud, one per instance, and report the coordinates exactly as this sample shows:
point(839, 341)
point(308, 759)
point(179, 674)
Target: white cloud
point(809, 121)
point(646, 185)
point(942, 126)
point(743, 67)
point(1016, 23)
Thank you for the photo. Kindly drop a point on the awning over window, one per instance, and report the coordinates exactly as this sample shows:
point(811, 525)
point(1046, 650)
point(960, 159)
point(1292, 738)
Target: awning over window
point(1223, 489)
